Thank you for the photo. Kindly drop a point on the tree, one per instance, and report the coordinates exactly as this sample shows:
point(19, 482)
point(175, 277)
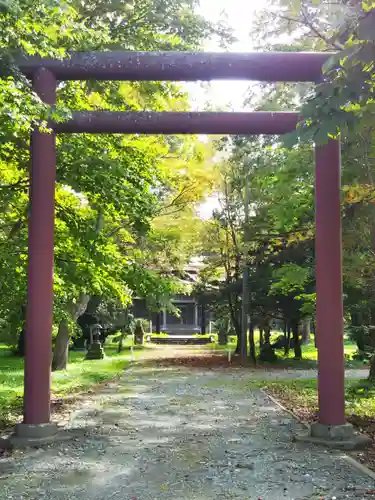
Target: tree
point(60, 353)
point(340, 104)
point(280, 232)
point(109, 188)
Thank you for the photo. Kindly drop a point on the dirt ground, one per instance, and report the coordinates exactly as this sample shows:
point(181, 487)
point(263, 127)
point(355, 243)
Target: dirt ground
point(174, 433)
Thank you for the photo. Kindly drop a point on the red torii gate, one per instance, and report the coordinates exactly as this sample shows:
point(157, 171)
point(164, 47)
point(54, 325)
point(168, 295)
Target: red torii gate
point(178, 66)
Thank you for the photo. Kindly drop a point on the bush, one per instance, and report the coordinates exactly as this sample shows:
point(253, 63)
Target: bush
point(364, 337)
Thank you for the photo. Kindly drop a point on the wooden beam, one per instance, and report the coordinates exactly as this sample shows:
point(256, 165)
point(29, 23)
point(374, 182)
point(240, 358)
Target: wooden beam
point(211, 123)
point(183, 66)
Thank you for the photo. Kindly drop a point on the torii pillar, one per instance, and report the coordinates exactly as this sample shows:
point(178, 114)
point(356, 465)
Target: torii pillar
point(37, 428)
point(329, 294)
point(331, 428)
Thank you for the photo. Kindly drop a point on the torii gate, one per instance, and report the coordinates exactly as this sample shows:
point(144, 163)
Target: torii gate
point(178, 66)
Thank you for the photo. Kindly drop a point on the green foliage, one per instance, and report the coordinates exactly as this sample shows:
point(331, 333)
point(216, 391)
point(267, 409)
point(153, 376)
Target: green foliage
point(340, 104)
point(289, 278)
point(276, 240)
point(110, 189)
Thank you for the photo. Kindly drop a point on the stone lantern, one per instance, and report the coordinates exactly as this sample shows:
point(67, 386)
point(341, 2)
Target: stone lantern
point(95, 350)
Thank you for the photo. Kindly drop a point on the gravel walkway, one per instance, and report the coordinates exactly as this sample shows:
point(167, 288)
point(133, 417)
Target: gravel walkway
point(179, 435)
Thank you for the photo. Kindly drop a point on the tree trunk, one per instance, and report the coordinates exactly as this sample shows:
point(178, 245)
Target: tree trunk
point(238, 345)
point(296, 342)
point(261, 340)
point(203, 319)
point(60, 353)
point(372, 368)
point(124, 331)
point(267, 334)
point(287, 340)
point(253, 355)
point(313, 328)
point(305, 331)
point(355, 319)
point(372, 312)
point(223, 336)
point(236, 324)
point(121, 342)
point(21, 343)
point(244, 314)
point(158, 323)
point(92, 304)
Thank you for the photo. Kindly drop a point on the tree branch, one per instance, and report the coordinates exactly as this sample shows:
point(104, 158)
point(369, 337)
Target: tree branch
point(320, 35)
point(307, 23)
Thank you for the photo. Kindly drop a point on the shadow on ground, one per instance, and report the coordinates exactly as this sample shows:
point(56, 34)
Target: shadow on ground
point(211, 361)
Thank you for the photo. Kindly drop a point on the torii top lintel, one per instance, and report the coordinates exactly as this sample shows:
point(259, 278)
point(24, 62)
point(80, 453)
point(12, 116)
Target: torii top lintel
point(183, 66)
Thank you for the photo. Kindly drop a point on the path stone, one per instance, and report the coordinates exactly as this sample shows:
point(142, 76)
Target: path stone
point(174, 434)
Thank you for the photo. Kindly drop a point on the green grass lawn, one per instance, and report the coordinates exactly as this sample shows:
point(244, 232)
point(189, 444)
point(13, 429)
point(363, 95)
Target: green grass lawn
point(300, 396)
point(309, 353)
point(79, 376)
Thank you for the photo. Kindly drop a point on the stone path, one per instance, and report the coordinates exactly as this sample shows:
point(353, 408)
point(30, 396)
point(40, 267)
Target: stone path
point(174, 434)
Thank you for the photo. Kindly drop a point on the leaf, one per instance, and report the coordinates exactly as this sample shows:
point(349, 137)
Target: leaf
point(368, 5)
point(336, 60)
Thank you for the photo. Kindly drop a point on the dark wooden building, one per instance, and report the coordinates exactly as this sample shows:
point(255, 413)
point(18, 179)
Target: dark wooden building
point(192, 317)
